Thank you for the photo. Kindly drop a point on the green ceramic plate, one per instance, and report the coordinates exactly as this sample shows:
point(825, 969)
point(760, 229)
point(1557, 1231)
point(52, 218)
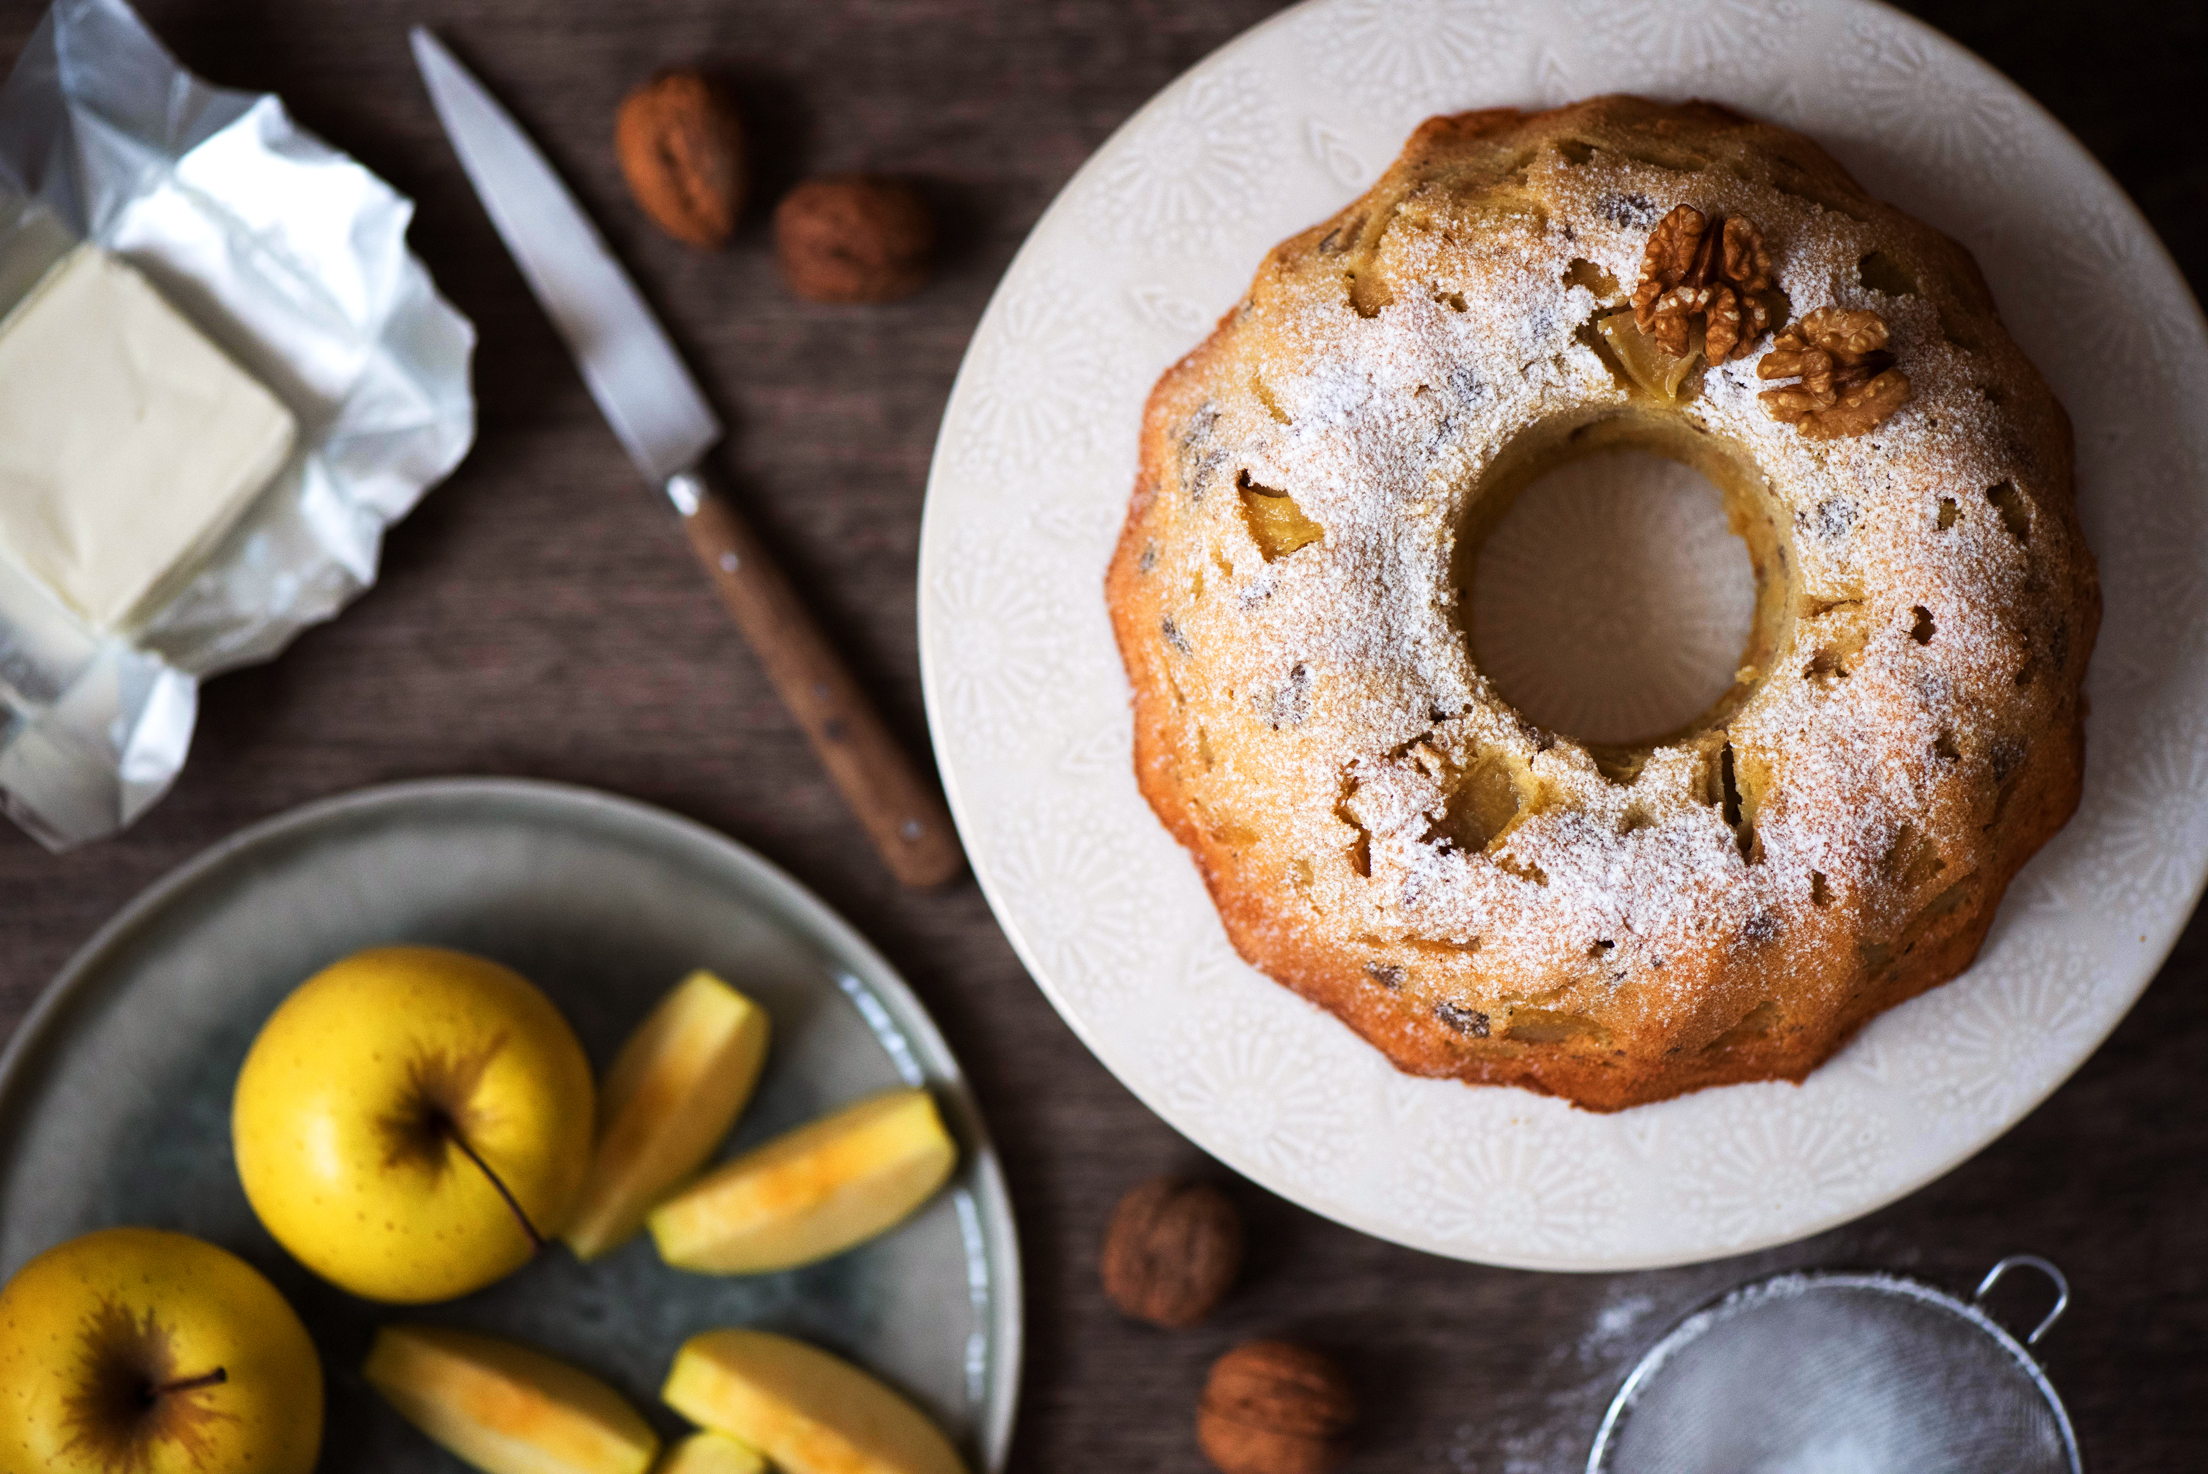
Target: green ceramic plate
point(115, 1093)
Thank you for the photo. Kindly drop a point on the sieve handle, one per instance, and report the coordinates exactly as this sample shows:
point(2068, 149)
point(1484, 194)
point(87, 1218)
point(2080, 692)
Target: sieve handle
point(2029, 1261)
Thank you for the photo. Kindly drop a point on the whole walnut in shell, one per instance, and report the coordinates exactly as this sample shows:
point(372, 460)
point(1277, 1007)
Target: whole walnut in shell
point(1273, 1407)
point(850, 238)
point(681, 146)
point(1172, 1252)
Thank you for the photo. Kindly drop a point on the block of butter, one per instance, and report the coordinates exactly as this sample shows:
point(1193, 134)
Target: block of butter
point(129, 444)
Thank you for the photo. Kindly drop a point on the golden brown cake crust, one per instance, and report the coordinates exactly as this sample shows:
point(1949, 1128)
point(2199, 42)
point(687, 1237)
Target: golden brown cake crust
point(1483, 899)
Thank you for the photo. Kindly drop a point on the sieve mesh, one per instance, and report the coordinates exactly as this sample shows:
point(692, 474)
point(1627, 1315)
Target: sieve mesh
point(1838, 1374)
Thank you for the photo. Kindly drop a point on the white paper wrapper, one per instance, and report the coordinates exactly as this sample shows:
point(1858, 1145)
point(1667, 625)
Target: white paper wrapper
point(293, 258)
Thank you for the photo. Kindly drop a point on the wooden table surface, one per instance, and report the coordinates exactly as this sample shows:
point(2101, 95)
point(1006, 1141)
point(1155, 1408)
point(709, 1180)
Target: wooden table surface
point(540, 615)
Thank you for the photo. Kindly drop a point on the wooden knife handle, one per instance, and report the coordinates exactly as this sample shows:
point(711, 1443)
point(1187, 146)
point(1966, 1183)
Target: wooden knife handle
point(899, 807)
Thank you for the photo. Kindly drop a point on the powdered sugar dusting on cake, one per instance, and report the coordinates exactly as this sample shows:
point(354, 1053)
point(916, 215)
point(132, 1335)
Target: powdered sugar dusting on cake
point(1339, 737)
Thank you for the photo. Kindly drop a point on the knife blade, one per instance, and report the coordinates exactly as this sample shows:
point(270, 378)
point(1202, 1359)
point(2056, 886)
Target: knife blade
point(664, 423)
point(633, 372)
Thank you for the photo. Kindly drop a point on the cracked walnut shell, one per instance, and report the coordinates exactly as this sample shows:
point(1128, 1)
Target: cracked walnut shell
point(851, 238)
point(681, 147)
point(1273, 1407)
point(1846, 381)
point(1695, 268)
point(1172, 1252)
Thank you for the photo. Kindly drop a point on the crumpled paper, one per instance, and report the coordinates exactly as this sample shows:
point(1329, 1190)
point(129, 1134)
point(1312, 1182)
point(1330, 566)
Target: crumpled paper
point(293, 258)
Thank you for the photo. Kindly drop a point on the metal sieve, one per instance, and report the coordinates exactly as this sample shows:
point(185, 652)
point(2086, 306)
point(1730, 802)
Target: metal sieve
point(1830, 1373)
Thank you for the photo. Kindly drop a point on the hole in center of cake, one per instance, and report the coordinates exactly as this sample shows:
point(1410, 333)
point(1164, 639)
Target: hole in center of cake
point(1612, 601)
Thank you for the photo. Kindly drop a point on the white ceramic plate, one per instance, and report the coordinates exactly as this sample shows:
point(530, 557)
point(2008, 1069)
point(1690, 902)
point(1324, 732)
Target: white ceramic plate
point(1156, 236)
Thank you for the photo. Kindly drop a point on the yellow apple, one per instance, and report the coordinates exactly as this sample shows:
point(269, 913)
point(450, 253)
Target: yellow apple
point(709, 1452)
point(811, 1193)
point(413, 1123)
point(505, 1408)
point(807, 1411)
point(676, 1087)
point(138, 1350)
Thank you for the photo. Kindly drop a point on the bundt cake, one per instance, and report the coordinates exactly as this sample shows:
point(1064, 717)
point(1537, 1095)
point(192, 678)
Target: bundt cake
point(1614, 923)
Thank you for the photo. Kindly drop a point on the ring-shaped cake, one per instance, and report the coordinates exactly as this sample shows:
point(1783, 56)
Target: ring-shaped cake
point(1611, 922)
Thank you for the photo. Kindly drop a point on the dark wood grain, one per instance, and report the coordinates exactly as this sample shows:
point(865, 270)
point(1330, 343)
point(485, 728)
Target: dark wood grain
point(540, 615)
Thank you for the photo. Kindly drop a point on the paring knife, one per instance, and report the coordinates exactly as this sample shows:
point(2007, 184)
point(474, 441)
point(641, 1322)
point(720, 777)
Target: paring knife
point(665, 425)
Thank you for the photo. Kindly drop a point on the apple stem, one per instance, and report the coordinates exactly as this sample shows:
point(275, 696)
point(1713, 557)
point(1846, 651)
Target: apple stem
point(214, 1378)
point(536, 1240)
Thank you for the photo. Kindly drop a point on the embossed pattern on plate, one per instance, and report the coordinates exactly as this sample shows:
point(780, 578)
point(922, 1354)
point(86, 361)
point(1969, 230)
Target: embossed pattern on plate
point(1612, 600)
point(1156, 236)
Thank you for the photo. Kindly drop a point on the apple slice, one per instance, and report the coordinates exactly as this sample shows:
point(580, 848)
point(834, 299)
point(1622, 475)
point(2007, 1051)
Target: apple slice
point(505, 1408)
point(807, 1411)
point(709, 1451)
point(675, 1088)
point(811, 1193)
